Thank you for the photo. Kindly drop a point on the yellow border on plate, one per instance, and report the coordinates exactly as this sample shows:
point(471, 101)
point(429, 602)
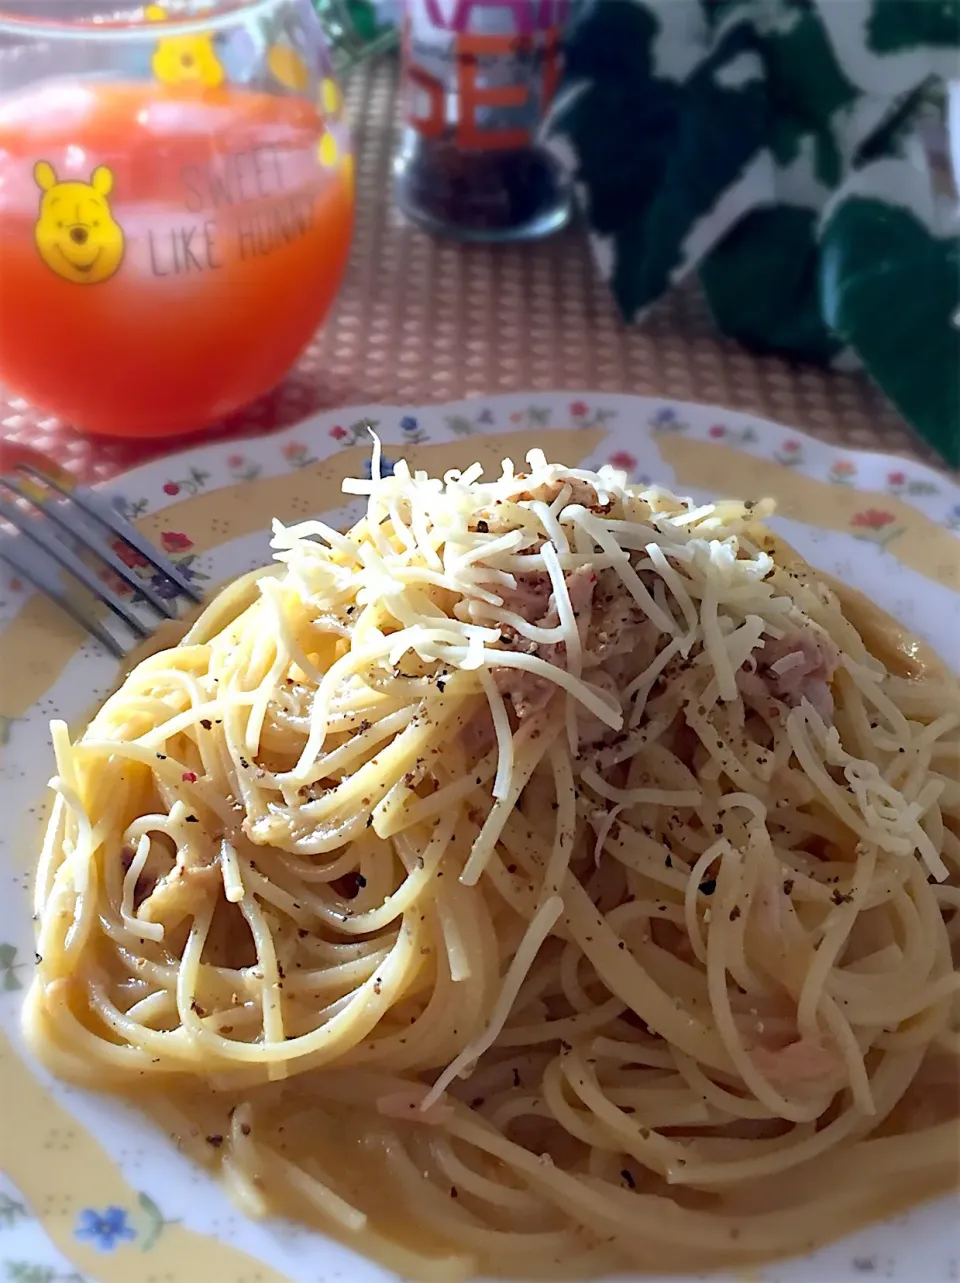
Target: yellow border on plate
point(913, 538)
point(61, 1168)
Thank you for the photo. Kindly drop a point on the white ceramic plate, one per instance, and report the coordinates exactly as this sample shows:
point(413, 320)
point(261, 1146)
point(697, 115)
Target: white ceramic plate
point(91, 1191)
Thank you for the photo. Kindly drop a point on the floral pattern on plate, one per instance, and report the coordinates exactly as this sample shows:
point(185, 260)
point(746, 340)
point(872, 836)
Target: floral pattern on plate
point(888, 506)
point(624, 418)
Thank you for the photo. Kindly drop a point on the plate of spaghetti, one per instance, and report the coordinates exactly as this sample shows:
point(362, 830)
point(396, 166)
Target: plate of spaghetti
point(522, 867)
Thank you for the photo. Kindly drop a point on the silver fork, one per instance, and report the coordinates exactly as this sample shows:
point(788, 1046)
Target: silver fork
point(55, 519)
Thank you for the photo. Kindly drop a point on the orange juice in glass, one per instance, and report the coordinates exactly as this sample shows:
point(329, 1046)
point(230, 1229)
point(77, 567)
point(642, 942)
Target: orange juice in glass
point(176, 205)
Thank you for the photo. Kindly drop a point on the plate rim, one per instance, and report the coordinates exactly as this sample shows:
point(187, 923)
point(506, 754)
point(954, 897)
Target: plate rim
point(150, 473)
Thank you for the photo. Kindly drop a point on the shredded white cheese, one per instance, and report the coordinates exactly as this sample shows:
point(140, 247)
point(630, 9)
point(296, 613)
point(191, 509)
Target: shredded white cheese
point(506, 552)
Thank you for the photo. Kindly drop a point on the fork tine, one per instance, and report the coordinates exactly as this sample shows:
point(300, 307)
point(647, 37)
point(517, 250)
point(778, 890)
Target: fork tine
point(34, 531)
point(100, 509)
point(48, 585)
point(103, 552)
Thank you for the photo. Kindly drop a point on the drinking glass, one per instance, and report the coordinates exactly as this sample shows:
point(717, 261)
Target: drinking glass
point(176, 205)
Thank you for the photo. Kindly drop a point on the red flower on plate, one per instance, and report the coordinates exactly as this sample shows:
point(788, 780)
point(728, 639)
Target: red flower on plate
point(623, 460)
point(171, 487)
point(872, 519)
point(338, 433)
point(16, 584)
point(578, 409)
point(235, 461)
point(173, 541)
point(792, 446)
point(293, 450)
point(897, 478)
point(129, 556)
point(844, 468)
point(114, 582)
point(718, 430)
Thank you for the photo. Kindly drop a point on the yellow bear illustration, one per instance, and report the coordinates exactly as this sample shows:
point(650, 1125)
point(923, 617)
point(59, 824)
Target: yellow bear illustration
point(76, 233)
point(178, 60)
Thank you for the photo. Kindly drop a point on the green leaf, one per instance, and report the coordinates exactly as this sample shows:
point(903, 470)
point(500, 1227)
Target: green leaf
point(10, 981)
point(718, 12)
point(903, 25)
point(891, 288)
point(12, 1211)
point(762, 285)
point(459, 425)
point(8, 955)
point(149, 1206)
point(667, 166)
point(155, 1220)
point(805, 74)
point(364, 18)
point(889, 47)
point(611, 48)
point(806, 87)
point(27, 1272)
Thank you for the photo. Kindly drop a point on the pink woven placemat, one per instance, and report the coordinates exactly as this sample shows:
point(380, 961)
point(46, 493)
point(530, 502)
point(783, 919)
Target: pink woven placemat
point(422, 320)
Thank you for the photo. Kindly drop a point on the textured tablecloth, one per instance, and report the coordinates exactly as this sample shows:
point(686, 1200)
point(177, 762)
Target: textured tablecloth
point(422, 320)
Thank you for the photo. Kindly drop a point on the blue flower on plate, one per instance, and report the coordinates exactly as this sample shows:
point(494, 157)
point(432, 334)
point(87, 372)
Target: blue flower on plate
point(386, 467)
point(408, 423)
point(129, 509)
point(104, 1229)
point(165, 587)
point(485, 416)
point(666, 414)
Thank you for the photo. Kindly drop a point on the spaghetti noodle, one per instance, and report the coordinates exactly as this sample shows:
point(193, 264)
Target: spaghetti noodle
point(546, 876)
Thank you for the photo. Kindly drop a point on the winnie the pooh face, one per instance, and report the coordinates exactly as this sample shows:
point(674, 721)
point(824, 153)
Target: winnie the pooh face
point(76, 233)
point(180, 60)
